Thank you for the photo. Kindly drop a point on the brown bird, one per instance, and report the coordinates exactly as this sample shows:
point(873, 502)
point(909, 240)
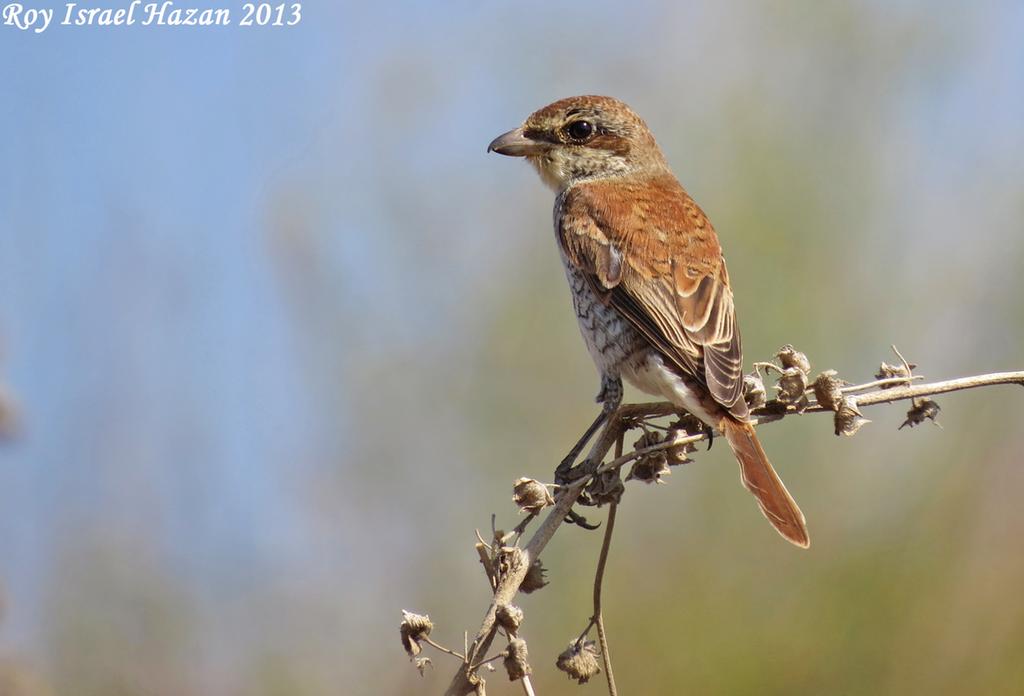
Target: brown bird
point(648, 280)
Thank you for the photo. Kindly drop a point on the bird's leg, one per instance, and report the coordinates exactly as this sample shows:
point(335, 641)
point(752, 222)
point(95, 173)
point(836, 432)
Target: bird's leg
point(563, 469)
point(610, 397)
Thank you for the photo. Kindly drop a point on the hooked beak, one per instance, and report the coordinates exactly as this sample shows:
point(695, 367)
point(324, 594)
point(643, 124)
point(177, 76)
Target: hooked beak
point(516, 144)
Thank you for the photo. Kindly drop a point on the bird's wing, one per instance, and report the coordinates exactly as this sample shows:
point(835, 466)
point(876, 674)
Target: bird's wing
point(651, 253)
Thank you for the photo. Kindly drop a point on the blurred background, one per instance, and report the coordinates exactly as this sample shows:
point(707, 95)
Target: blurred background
point(277, 334)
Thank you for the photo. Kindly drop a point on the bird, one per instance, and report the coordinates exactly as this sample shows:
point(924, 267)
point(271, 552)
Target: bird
point(648, 280)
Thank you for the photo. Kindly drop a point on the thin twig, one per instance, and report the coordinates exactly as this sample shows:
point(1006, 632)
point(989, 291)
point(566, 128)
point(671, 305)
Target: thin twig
point(480, 538)
point(886, 396)
point(681, 439)
point(438, 646)
point(877, 384)
point(517, 532)
point(481, 663)
point(598, 615)
point(768, 414)
point(906, 364)
point(602, 561)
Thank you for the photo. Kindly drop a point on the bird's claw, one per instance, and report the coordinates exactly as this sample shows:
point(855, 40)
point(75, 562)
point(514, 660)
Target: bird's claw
point(580, 521)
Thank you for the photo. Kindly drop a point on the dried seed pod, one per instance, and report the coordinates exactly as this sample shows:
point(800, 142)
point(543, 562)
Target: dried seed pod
point(515, 660)
point(754, 392)
point(509, 616)
point(579, 661)
point(687, 423)
point(923, 409)
point(828, 390)
point(677, 454)
point(792, 385)
point(414, 627)
point(534, 579)
point(648, 439)
point(887, 371)
point(685, 427)
point(606, 488)
point(650, 468)
point(848, 418)
point(531, 495)
point(791, 357)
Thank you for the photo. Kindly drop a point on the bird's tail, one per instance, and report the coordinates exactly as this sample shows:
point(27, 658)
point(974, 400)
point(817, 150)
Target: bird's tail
point(760, 479)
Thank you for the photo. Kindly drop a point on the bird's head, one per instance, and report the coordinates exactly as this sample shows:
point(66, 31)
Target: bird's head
point(583, 138)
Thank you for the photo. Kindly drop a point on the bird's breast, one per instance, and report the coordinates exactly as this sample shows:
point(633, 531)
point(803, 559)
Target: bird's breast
point(609, 336)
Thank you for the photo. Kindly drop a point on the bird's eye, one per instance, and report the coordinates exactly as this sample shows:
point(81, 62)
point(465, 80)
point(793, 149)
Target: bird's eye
point(579, 130)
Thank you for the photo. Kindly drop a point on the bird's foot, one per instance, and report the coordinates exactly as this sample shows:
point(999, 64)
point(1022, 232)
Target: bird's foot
point(567, 474)
point(580, 521)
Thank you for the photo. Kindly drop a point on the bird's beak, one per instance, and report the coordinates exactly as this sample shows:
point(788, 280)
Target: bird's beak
point(516, 144)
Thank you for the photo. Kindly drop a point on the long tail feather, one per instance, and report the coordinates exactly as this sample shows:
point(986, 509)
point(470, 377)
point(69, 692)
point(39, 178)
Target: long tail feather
point(760, 479)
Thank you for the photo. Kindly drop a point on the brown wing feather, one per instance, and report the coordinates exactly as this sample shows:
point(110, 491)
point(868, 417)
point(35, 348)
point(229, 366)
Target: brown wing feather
point(652, 253)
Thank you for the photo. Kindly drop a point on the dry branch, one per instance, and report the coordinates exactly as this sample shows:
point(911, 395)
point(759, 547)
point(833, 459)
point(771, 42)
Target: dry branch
point(508, 566)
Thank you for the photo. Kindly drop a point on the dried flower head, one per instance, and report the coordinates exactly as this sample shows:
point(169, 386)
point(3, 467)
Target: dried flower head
point(534, 579)
point(887, 371)
point(922, 409)
point(828, 390)
point(648, 439)
point(688, 422)
point(515, 660)
point(791, 357)
point(509, 616)
point(531, 495)
point(414, 628)
point(848, 418)
point(579, 661)
point(791, 386)
point(606, 488)
point(754, 392)
point(678, 454)
point(649, 467)
point(685, 426)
